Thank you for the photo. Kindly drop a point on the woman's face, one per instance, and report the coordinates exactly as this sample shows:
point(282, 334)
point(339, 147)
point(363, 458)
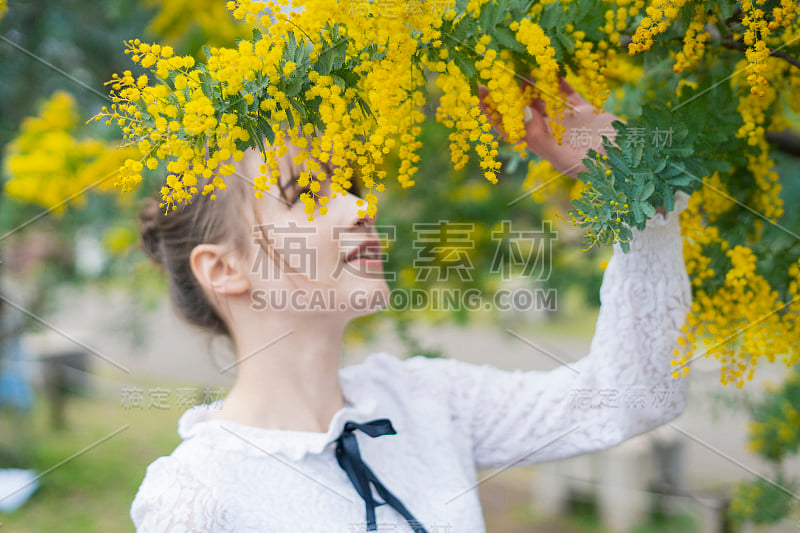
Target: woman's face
point(333, 264)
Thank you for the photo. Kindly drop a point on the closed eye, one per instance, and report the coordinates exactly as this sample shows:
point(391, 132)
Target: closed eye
point(353, 189)
point(301, 191)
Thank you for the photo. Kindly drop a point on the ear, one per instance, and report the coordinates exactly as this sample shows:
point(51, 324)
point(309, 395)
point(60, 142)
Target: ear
point(218, 271)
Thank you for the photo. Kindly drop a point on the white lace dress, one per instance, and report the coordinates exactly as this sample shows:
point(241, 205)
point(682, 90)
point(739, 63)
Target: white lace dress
point(451, 418)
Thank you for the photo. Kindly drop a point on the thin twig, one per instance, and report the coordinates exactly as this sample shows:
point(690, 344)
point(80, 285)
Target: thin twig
point(739, 45)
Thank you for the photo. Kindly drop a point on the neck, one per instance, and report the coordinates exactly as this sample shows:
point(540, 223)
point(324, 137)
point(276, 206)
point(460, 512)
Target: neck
point(287, 372)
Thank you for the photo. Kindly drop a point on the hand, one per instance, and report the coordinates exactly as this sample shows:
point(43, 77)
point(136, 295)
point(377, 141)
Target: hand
point(579, 119)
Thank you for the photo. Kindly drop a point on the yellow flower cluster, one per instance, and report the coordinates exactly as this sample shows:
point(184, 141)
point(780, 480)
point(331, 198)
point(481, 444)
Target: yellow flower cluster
point(119, 239)
point(591, 68)
point(47, 165)
point(175, 18)
point(778, 433)
point(544, 182)
point(744, 319)
point(171, 120)
point(660, 14)
point(171, 111)
point(684, 83)
point(392, 87)
point(3, 7)
point(753, 107)
point(545, 75)
point(715, 196)
point(794, 279)
point(505, 100)
point(694, 42)
point(474, 7)
point(457, 109)
point(397, 110)
point(784, 14)
point(618, 17)
point(768, 202)
point(749, 495)
point(621, 68)
point(755, 38)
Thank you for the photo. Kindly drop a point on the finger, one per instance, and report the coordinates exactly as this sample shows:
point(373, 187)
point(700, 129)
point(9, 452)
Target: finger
point(565, 87)
point(527, 114)
point(538, 105)
point(483, 92)
point(572, 96)
point(536, 131)
point(528, 91)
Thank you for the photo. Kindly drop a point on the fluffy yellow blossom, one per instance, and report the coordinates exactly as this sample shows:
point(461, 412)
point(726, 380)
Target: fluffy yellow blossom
point(175, 18)
point(755, 37)
point(619, 16)
point(752, 108)
point(543, 181)
point(591, 70)
point(505, 99)
point(457, 108)
point(621, 68)
point(545, 76)
point(660, 14)
point(48, 165)
point(694, 41)
point(740, 321)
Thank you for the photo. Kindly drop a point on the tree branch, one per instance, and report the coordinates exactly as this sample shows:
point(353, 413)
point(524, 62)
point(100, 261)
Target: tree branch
point(786, 141)
point(739, 45)
point(736, 16)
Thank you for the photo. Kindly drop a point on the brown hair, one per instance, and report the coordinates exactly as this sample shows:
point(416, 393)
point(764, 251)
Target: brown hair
point(170, 238)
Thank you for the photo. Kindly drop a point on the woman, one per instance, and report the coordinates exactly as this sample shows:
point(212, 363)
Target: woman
point(295, 447)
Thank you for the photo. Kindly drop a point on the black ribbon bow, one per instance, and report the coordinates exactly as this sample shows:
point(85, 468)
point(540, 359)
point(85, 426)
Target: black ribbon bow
point(361, 475)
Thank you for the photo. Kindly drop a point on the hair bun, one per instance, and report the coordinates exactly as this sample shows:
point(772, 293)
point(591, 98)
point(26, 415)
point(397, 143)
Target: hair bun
point(149, 222)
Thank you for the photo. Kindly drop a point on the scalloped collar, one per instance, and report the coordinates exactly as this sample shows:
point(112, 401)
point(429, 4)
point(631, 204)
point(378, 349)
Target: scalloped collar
point(361, 405)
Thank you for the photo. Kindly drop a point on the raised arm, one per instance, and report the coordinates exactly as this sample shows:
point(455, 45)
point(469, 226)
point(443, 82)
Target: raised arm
point(622, 388)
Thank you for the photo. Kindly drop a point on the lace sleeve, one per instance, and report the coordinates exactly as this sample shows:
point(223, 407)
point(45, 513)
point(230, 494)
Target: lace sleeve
point(622, 388)
point(172, 499)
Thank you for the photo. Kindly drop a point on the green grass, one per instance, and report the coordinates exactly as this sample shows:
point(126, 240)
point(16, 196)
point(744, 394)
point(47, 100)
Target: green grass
point(661, 523)
point(93, 490)
point(582, 517)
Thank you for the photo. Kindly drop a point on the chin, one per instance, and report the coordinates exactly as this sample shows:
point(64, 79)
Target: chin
point(367, 297)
